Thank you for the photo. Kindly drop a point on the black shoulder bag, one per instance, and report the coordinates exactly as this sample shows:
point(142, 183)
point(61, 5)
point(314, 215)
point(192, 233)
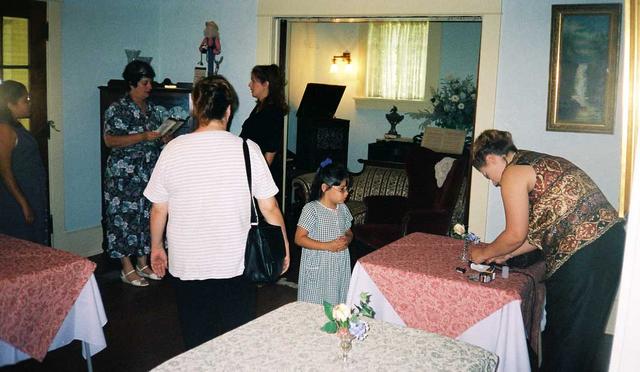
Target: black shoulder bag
point(264, 253)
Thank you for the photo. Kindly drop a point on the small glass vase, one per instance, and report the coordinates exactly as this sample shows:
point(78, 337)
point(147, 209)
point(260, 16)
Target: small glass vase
point(345, 344)
point(464, 256)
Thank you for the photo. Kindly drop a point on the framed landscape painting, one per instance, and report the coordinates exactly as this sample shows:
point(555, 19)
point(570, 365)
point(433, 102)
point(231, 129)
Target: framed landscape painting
point(583, 67)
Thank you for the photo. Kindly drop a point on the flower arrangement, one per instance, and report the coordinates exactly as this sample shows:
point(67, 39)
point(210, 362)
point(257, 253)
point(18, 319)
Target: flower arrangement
point(343, 319)
point(460, 232)
point(454, 105)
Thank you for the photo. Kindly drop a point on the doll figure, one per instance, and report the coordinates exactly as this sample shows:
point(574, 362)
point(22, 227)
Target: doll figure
point(211, 46)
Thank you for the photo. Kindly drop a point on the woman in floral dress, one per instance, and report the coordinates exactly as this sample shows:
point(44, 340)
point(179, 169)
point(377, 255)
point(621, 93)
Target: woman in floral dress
point(129, 131)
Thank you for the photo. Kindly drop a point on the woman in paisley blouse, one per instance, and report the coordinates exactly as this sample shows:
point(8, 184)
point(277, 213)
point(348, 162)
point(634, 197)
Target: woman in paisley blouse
point(129, 131)
point(552, 205)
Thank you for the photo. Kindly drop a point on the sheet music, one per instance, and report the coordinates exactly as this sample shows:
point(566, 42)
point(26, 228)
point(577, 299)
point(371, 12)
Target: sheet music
point(449, 141)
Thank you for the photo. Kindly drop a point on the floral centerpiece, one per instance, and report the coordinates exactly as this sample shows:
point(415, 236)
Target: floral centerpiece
point(346, 323)
point(460, 232)
point(454, 106)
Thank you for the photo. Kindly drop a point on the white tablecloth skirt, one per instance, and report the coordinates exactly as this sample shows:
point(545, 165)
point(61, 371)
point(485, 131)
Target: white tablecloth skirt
point(84, 322)
point(502, 332)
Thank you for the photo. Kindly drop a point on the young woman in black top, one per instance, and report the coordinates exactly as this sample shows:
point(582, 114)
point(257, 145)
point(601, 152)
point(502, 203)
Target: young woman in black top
point(266, 122)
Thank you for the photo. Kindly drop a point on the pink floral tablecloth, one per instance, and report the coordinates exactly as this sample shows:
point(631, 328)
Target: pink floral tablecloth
point(38, 287)
point(417, 276)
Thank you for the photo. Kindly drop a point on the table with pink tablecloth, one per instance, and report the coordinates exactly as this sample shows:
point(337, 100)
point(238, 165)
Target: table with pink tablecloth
point(414, 282)
point(40, 288)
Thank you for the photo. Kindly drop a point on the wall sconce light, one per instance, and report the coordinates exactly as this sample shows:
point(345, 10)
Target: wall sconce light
point(345, 59)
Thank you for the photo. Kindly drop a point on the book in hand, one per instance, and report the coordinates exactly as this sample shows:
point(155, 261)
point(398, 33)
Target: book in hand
point(170, 125)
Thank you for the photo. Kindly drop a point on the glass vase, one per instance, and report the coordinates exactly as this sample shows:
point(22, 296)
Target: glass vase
point(464, 256)
point(345, 344)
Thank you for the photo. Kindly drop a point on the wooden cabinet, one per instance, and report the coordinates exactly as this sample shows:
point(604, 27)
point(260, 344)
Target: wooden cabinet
point(319, 139)
point(390, 150)
point(320, 134)
point(174, 100)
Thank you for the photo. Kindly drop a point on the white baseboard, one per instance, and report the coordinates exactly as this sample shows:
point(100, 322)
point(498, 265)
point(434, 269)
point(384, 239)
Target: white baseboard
point(85, 243)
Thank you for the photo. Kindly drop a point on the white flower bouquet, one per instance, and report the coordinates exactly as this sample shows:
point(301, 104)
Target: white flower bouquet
point(343, 319)
point(454, 105)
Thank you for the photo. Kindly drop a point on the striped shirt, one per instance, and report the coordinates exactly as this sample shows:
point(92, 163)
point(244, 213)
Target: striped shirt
point(202, 178)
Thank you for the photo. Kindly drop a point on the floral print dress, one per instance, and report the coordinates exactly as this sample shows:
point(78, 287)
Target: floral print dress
point(126, 175)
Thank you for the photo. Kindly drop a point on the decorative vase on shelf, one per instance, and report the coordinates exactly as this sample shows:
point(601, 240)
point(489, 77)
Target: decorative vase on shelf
point(131, 54)
point(394, 119)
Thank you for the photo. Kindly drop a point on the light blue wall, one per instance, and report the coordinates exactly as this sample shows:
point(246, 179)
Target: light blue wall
point(96, 32)
point(461, 49)
point(521, 103)
point(179, 41)
point(94, 36)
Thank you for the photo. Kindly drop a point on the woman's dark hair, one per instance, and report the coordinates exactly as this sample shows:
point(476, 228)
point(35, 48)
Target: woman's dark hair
point(491, 141)
point(211, 97)
point(10, 92)
point(135, 70)
point(272, 75)
point(331, 174)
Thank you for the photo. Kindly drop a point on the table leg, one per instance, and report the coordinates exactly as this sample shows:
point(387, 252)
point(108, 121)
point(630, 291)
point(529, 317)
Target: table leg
point(85, 346)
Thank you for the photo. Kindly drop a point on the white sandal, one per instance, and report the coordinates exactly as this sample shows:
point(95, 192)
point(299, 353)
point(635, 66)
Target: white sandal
point(142, 282)
point(140, 271)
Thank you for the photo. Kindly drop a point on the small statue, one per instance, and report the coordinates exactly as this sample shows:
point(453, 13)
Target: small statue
point(211, 46)
point(394, 119)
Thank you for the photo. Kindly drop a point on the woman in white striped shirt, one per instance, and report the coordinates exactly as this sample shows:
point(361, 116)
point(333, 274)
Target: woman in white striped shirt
point(200, 194)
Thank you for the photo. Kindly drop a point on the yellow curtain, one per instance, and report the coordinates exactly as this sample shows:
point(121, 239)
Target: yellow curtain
point(631, 99)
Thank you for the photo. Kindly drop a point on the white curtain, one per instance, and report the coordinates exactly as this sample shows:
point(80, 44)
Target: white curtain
point(397, 60)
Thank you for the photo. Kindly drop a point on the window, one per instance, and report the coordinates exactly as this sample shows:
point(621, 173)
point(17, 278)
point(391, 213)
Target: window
point(15, 52)
point(397, 60)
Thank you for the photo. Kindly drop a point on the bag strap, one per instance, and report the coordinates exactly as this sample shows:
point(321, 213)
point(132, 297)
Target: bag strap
point(247, 165)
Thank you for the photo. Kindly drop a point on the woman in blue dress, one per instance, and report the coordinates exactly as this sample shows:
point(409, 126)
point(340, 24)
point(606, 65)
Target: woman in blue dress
point(23, 180)
point(129, 131)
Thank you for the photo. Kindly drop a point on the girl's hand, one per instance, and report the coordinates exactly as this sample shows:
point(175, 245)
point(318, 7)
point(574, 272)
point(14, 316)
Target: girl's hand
point(339, 244)
point(151, 135)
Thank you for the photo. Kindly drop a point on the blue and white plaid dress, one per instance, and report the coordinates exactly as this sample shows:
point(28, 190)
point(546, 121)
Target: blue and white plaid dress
point(324, 275)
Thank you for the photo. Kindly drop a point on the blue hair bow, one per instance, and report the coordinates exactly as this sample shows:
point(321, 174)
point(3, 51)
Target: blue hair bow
point(326, 162)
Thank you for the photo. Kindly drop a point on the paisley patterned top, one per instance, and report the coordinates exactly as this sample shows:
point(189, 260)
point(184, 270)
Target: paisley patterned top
point(567, 211)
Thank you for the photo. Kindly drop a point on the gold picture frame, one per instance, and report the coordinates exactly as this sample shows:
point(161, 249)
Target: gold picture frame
point(583, 68)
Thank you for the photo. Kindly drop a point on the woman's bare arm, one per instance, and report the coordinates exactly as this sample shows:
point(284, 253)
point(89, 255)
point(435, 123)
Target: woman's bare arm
point(129, 139)
point(515, 185)
point(271, 212)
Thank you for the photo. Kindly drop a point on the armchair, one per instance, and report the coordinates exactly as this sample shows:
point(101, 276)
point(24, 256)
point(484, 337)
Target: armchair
point(428, 207)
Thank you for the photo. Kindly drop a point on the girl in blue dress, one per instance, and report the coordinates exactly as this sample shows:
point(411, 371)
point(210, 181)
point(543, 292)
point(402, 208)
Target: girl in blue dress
point(324, 233)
